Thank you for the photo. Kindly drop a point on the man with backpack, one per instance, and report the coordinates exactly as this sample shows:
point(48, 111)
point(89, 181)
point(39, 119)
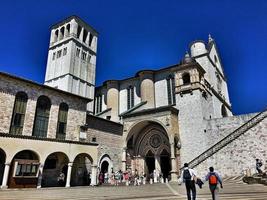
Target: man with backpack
point(188, 176)
point(213, 179)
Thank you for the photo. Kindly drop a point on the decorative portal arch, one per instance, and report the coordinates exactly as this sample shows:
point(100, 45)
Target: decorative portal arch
point(24, 170)
point(148, 150)
point(105, 164)
point(2, 164)
point(55, 170)
point(81, 170)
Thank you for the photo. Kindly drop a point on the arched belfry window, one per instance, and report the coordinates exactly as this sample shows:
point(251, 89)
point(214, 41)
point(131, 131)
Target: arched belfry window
point(41, 117)
point(186, 78)
point(68, 30)
point(224, 112)
point(130, 97)
point(62, 121)
point(171, 90)
point(18, 115)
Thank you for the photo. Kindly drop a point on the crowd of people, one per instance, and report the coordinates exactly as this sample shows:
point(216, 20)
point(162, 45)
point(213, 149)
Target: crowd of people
point(129, 178)
point(188, 176)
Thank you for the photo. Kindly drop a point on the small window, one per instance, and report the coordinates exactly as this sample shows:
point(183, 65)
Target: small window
point(93, 139)
point(171, 90)
point(186, 78)
point(83, 55)
point(78, 52)
point(54, 56)
point(59, 54)
point(62, 121)
point(26, 169)
point(108, 117)
point(64, 51)
point(130, 97)
point(98, 103)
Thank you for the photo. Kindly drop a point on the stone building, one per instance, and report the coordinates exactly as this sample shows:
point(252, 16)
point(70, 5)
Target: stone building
point(152, 122)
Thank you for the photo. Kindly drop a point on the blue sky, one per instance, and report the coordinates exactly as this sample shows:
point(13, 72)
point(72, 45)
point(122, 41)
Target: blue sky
point(145, 34)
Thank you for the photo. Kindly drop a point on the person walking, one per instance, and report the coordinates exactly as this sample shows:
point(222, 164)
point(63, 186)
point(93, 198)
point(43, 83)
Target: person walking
point(258, 166)
point(214, 179)
point(188, 175)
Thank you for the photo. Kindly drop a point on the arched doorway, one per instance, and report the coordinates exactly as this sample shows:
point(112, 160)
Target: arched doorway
point(105, 164)
point(148, 150)
point(55, 170)
point(149, 163)
point(165, 163)
point(24, 170)
point(2, 164)
point(81, 170)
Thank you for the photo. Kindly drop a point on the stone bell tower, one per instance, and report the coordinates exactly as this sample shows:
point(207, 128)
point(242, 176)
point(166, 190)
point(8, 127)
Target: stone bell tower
point(71, 59)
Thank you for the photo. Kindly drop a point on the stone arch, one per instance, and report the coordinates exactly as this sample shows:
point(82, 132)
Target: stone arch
point(24, 169)
point(105, 159)
point(151, 138)
point(2, 164)
point(145, 142)
point(55, 170)
point(139, 125)
point(81, 170)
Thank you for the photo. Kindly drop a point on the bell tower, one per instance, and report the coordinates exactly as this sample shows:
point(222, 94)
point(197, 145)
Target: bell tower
point(71, 59)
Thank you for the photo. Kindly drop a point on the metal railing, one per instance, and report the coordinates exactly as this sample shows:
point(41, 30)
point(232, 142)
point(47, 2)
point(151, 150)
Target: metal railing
point(228, 139)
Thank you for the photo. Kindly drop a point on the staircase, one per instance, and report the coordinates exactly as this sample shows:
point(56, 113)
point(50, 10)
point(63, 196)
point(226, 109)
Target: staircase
point(256, 179)
point(228, 139)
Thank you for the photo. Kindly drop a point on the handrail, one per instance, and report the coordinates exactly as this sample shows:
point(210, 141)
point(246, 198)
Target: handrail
point(228, 139)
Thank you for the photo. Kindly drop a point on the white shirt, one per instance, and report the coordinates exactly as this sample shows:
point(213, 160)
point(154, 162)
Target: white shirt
point(191, 171)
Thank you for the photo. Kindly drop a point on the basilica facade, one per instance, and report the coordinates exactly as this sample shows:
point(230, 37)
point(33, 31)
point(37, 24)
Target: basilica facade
point(152, 122)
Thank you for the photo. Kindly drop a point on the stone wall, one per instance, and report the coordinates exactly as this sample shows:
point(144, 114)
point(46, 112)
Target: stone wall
point(221, 127)
point(191, 125)
point(108, 135)
point(239, 155)
point(9, 88)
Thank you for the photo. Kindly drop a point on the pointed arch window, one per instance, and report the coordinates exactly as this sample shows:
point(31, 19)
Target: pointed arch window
point(130, 97)
point(41, 117)
point(18, 115)
point(62, 121)
point(171, 90)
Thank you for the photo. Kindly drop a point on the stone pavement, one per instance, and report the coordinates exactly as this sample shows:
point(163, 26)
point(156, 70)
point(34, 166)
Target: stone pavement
point(232, 190)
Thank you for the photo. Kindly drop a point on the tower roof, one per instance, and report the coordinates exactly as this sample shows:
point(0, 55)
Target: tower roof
point(78, 20)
